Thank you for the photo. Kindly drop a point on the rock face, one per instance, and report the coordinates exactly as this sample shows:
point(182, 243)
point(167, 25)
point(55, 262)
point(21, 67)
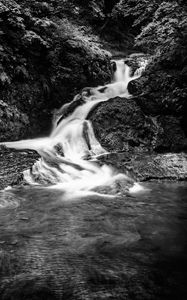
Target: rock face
point(120, 124)
point(161, 94)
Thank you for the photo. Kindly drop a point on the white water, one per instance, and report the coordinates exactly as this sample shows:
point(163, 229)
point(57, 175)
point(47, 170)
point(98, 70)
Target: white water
point(67, 154)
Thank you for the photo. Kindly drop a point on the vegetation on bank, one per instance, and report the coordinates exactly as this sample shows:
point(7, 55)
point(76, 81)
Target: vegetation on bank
point(46, 56)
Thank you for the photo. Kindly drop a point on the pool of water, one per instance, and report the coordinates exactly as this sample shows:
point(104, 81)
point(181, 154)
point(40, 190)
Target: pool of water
point(127, 247)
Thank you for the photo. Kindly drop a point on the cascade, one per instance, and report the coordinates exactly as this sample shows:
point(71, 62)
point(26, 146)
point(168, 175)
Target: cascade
point(69, 153)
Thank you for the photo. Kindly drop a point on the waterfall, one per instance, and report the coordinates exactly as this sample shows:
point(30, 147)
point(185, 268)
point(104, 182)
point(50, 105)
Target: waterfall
point(69, 153)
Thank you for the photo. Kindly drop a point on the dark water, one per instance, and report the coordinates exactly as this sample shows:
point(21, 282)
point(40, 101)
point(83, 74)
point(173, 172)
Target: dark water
point(130, 247)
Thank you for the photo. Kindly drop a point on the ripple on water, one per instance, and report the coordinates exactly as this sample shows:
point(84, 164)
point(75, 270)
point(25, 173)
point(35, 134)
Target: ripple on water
point(8, 199)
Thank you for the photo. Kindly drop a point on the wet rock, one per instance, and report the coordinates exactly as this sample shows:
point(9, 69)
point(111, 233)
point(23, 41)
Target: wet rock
point(135, 87)
point(147, 166)
point(12, 165)
point(122, 125)
point(135, 60)
point(119, 125)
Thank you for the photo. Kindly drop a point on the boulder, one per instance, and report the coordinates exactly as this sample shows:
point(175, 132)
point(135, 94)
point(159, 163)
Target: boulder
point(122, 125)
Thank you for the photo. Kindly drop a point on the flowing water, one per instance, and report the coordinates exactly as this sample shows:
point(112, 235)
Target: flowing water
point(68, 155)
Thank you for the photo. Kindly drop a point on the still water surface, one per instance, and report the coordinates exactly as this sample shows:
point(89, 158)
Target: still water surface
point(128, 247)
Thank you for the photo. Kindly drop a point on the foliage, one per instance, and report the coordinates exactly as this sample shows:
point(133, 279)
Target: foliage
point(140, 11)
point(160, 27)
point(48, 52)
point(165, 36)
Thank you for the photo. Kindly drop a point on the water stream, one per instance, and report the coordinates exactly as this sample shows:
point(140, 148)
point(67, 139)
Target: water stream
point(69, 154)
